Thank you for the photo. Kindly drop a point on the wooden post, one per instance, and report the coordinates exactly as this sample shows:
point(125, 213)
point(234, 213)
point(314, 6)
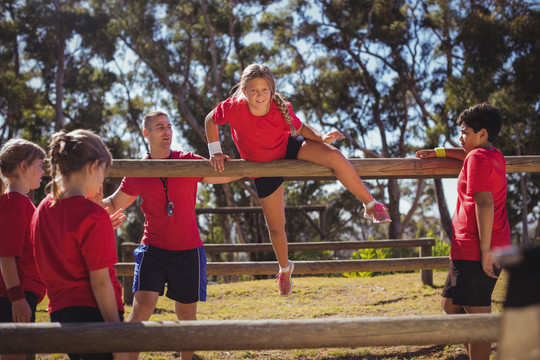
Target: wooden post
point(127, 281)
point(426, 275)
point(20, 338)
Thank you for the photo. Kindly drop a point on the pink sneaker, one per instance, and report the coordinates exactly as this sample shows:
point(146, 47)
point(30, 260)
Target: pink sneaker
point(284, 281)
point(378, 213)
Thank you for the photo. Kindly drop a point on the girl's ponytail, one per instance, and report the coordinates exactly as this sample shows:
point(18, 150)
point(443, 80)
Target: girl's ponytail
point(71, 152)
point(280, 103)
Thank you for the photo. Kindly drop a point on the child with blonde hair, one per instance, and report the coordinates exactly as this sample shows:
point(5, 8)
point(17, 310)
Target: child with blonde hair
point(265, 128)
point(75, 245)
point(21, 288)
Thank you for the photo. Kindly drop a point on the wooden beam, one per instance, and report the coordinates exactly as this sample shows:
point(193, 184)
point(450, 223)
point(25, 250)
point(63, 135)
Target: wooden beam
point(366, 168)
point(313, 267)
point(256, 209)
point(307, 246)
point(247, 334)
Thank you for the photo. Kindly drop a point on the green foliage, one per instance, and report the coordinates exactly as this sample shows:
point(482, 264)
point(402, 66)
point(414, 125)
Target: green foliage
point(368, 254)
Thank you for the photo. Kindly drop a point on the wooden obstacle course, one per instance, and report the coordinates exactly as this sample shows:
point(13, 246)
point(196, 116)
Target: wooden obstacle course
point(247, 334)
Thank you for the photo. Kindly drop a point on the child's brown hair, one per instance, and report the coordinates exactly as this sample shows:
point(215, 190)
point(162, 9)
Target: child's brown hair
point(14, 152)
point(71, 152)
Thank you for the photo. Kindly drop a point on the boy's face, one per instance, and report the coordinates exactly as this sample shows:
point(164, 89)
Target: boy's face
point(471, 140)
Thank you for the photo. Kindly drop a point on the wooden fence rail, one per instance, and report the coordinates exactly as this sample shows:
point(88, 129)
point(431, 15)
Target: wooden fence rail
point(303, 209)
point(366, 168)
point(128, 247)
point(314, 267)
point(247, 334)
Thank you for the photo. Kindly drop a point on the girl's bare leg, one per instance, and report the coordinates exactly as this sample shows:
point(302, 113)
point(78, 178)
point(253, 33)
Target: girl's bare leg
point(325, 154)
point(274, 213)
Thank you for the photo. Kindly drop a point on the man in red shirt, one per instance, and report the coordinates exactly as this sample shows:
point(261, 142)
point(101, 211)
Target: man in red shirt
point(480, 223)
point(171, 250)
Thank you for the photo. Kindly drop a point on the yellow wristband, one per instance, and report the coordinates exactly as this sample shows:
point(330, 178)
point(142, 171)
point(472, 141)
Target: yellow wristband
point(440, 152)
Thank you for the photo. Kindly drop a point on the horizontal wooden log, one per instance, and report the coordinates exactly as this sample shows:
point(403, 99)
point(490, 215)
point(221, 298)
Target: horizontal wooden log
point(248, 334)
point(256, 209)
point(308, 246)
point(314, 267)
point(366, 168)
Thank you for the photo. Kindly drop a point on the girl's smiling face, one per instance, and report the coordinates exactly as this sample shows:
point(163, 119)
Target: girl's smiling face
point(258, 95)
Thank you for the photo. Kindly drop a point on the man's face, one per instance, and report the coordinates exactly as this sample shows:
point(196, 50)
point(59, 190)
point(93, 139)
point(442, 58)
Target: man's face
point(159, 132)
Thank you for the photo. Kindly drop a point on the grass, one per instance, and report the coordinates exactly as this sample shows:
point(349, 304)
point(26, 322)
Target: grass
point(319, 297)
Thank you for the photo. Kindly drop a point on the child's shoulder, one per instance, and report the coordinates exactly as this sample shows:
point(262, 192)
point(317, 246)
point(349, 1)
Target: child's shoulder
point(16, 202)
point(234, 102)
point(491, 154)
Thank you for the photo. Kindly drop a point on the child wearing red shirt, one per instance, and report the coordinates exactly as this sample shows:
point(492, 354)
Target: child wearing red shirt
point(265, 128)
point(74, 238)
point(21, 288)
point(480, 223)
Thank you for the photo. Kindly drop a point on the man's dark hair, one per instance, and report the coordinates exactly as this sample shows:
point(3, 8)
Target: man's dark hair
point(483, 116)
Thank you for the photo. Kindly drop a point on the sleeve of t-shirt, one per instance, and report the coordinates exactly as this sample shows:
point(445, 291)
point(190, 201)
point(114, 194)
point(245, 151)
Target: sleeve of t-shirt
point(294, 119)
point(129, 186)
point(191, 156)
point(97, 241)
point(479, 174)
point(222, 112)
point(14, 224)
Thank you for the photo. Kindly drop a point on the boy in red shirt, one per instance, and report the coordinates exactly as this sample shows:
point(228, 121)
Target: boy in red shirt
point(480, 223)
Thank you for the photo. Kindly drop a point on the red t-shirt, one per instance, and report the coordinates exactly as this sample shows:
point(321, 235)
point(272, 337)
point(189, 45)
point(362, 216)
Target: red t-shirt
point(483, 170)
point(16, 212)
point(73, 237)
point(177, 232)
point(258, 138)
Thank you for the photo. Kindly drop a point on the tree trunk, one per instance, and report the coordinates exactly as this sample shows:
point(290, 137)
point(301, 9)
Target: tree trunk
point(446, 219)
point(393, 209)
point(60, 54)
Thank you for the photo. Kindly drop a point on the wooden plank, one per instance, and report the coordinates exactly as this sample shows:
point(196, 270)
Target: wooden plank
point(313, 267)
point(308, 246)
point(366, 168)
point(247, 334)
point(256, 209)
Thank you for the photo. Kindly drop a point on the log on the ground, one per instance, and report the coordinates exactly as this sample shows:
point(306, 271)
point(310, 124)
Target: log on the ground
point(247, 334)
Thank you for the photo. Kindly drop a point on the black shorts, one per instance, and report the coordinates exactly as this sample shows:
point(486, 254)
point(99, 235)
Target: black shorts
point(74, 314)
point(267, 185)
point(6, 315)
point(184, 272)
point(468, 285)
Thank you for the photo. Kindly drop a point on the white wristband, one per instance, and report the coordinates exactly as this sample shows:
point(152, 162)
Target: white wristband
point(214, 148)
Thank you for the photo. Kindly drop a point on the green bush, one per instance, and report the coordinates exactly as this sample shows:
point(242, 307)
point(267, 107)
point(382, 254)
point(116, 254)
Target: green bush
point(366, 254)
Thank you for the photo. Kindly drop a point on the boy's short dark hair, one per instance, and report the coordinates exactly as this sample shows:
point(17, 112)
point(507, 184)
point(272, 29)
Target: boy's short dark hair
point(483, 116)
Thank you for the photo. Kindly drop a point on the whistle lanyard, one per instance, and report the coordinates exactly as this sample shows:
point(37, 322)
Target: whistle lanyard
point(165, 182)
